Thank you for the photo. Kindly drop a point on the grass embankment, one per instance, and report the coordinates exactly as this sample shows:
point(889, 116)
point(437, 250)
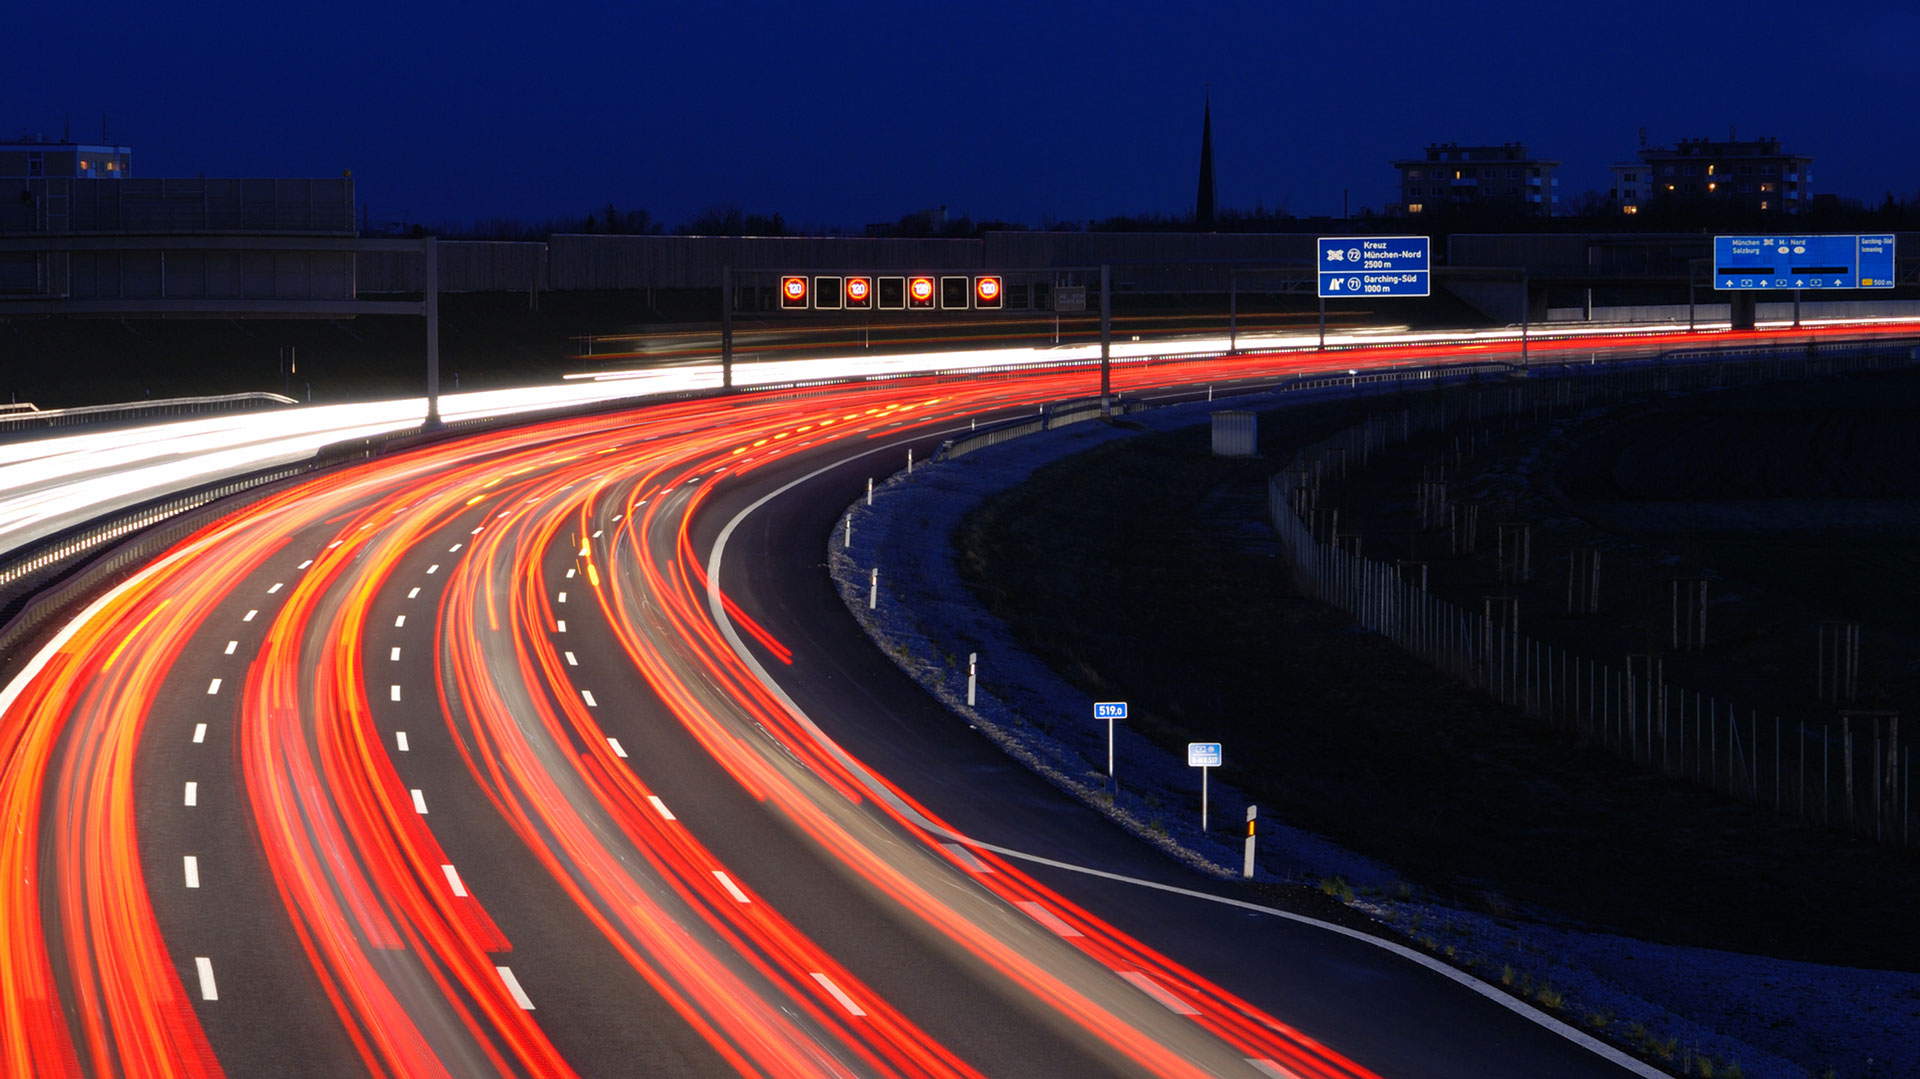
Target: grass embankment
point(1137, 573)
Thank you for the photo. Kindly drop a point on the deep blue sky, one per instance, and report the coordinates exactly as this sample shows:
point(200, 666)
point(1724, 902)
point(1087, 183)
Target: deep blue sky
point(843, 115)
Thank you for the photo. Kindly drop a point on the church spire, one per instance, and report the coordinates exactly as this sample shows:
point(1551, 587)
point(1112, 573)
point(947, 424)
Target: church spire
point(1203, 202)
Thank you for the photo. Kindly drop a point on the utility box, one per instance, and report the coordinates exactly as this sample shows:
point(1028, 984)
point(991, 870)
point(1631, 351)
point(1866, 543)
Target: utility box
point(1235, 434)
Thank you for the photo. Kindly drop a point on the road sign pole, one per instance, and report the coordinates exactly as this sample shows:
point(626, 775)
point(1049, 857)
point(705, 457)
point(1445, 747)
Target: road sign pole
point(1246, 864)
point(973, 669)
point(1323, 323)
point(1526, 315)
point(1203, 798)
point(1796, 309)
point(726, 327)
point(1233, 310)
point(1110, 778)
point(1106, 336)
point(428, 249)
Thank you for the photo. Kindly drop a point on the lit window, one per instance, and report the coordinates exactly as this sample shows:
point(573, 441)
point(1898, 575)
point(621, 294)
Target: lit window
point(1763, 204)
point(1415, 207)
point(1709, 170)
point(1711, 187)
point(1630, 209)
point(113, 166)
point(84, 165)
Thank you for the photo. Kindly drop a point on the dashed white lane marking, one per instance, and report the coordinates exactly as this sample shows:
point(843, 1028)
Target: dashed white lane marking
point(1268, 1067)
point(394, 656)
point(560, 626)
point(1156, 991)
point(476, 531)
point(277, 586)
point(334, 544)
point(596, 532)
point(569, 573)
point(845, 1000)
point(419, 802)
point(571, 662)
point(305, 564)
point(513, 988)
point(248, 617)
point(1047, 918)
point(192, 866)
point(399, 620)
point(199, 732)
point(413, 592)
point(454, 548)
point(205, 967)
point(617, 516)
point(232, 646)
point(732, 888)
point(193, 793)
point(503, 513)
point(394, 692)
point(433, 569)
point(968, 858)
point(661, 806)
point(453, 880)
point(213, 687)
point(562, 598)
point(400, 740)
point(587, 694)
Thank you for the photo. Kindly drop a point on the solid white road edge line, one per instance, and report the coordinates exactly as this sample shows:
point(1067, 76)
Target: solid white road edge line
point(879, 791)
point(1158, 992)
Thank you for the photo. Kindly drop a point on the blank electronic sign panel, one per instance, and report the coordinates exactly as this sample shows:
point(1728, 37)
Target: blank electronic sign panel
point(953, 293)
point(1803, 262)
point(826, 294)
point(893, 293)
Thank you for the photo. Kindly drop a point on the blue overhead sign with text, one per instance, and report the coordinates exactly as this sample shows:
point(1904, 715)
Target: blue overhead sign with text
point(1798, 262)
point(1374, 266)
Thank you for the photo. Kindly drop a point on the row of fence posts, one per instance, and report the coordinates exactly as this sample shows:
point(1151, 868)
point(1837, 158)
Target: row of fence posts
point(1852, 773)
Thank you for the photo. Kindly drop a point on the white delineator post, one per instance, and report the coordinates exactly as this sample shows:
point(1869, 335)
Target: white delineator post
point(973, 670)
point(909, 460)
point(869, 490)
point(849, 540)
point(1246, 865)
point(873, 590)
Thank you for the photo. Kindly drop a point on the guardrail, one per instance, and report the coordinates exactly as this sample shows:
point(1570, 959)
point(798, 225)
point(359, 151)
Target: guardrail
point(24, 417)
point(1657, 725)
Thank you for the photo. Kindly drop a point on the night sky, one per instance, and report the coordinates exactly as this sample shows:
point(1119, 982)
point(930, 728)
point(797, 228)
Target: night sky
point(837, 115)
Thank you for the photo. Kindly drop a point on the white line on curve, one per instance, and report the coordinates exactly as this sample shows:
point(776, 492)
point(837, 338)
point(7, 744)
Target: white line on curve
point(399, 620)
point(192, 866)
point(400, 740)
point(232, 646)
point(394, 656)
point(419, 802)
point(1046, 917)
point(413, 592)
point(305, 564)
point(1269, 1068)
point(563, 598)
point(199, 732)
point(278, 585)
point(839, 995)
point(717, 608)
point(453, 880)
point(732, 888)
point(618, 749)
point(193, 793)
point(513, 988)
point(248, 617)
point(433, 569)
point(560, 626)
point(571, 662)
point(588, 694)
point(394, 692)
point(661, 806)
point(205, 967)
point(213, 687)
point(1158, 992)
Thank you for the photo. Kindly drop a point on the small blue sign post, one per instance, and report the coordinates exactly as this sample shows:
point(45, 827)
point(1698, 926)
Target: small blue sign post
point(1110, 711)
point(1203, 755)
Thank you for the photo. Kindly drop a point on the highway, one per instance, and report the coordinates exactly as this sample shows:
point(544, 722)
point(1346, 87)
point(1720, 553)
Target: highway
point(550, 751)
point(51, 484)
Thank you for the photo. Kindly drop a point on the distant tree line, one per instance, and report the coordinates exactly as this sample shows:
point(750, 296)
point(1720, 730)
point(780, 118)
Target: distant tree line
point(1592, 211)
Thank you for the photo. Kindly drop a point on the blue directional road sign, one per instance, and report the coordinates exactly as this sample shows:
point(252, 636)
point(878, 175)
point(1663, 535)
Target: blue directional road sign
point(1374, 266)
point(1203, 754)
point(1110, 710)
point(1802, 262)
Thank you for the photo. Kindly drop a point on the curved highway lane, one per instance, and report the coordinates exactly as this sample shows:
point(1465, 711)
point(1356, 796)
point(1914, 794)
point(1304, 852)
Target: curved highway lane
point(458, 762)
